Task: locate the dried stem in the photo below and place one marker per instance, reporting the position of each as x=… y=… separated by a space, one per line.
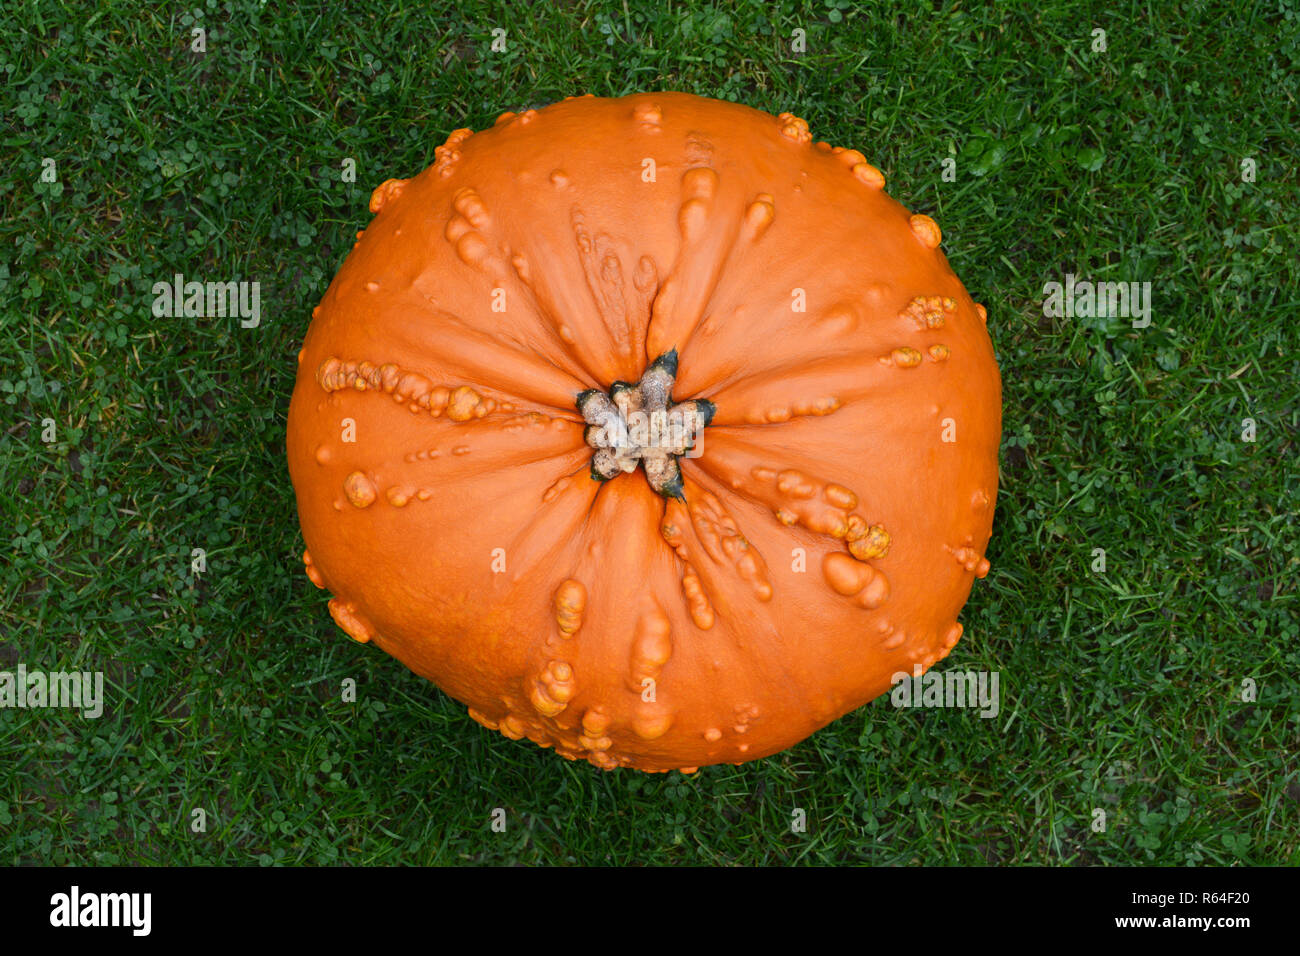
x=638 y=423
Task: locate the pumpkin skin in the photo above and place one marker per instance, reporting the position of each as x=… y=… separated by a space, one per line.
x=829 y=522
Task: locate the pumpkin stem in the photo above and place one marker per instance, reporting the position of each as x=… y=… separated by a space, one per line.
x=639 y=423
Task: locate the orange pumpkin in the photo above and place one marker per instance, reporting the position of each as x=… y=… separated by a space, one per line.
x=649 y=429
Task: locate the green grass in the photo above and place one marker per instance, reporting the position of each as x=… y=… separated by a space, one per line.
x=1120 y=691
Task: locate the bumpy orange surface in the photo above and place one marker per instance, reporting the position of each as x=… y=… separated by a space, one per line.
x=822 y=533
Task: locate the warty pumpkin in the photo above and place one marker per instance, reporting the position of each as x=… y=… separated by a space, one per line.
x=802 y=518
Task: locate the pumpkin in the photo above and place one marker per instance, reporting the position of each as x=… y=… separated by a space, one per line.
x=649 y=429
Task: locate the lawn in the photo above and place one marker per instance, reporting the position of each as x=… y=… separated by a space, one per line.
x=1150 y=712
